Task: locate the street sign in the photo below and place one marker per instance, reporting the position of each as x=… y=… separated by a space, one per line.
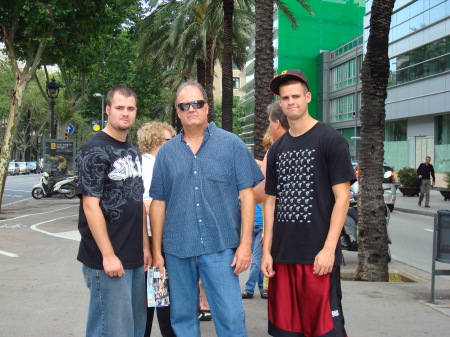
x=70 y=129
x=96 y=126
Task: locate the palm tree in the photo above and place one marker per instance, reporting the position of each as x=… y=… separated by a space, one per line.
x=373 y=241
x=264 y=64
x=187 y=35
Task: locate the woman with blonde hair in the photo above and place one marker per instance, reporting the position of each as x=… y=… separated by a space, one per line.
x=151 y=136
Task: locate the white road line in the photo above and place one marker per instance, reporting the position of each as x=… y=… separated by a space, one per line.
x=428 y=230
x=8 y=254
x=65 y=235
x=33 y=214
x=7 y=189
x=16 y=202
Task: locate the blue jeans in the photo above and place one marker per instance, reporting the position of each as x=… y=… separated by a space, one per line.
x=255 y=273
x=118 y=305
x=221 y=287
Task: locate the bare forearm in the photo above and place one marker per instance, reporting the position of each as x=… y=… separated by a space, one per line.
x=247 y=215
x=157 y=216
x=269 y=209
x=97 y=225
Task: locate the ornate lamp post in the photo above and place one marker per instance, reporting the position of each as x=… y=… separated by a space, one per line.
x=52 y=93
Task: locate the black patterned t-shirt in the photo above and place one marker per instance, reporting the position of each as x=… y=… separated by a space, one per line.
x=300 y=173
x=112 y=171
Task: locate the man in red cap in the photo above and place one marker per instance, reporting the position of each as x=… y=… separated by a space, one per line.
x=308 y=179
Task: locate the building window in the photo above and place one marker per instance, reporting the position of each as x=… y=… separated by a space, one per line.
x=342 y=108
x=431 y=59
x=344 y=75
x=395 y=131
x=417 y=15
x=443 y=130
x=236 y=82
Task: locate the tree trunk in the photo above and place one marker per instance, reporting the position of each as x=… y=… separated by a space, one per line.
x=14 y=115
x=201 y=75
x=209 y=79
x=263 y=71
x=373 y=240
x=227 y=66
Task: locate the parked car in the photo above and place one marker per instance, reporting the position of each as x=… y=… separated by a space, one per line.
x=389 y=188
x=34 y=167
x=13 y=168
x=23 y=167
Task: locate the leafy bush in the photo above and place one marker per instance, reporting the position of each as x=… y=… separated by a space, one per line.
x=447 y=179
x=407 y=177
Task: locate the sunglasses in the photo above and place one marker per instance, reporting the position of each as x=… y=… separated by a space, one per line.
x=195 y=105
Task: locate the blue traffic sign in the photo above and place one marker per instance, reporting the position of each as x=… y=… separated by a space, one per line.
x=70 y=129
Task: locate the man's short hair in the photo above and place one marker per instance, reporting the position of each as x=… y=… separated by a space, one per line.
x=122 y=90
x=428 y=157
x=194 y=84
x=276 y=114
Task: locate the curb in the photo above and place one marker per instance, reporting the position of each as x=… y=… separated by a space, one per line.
x=414 y=211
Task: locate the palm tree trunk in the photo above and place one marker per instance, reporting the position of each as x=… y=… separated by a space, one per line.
x=373 y=240
x=227 y=66
x=263 y=71
x=209 y=79
x=201 y=75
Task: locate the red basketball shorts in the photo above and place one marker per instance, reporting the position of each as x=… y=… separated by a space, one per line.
x=302 y=304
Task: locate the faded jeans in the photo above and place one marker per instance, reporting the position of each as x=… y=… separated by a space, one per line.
x=118 y=305
x=425 y=188
x=221 y=287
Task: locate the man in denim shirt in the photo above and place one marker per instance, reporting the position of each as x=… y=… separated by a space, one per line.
x=202 y=191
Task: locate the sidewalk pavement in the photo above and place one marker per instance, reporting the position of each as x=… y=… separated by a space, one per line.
x=43 y=292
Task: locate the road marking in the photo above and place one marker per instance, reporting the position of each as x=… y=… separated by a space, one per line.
x=7 y=189
x=428 y=230
x=72 y=235
x=16 y=202
x=8 y=254
x=33 y=214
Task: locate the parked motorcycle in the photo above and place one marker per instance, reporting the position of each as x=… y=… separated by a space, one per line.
x=50 y=185
x=349 y=234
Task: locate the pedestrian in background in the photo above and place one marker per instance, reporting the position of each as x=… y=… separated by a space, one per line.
x=113 y=249
x=308 y=186
x=203 y=211
x=151 y=136
x=425 y=171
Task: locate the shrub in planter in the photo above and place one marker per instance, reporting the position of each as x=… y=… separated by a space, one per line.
x=447 y=179
x=407 y=177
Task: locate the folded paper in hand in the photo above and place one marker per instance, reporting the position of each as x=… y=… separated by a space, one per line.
x=157 y=288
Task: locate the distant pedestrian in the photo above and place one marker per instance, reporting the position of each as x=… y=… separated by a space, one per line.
x=203 y=211
x=425 y=171
x=308 y=186
x=113 y=249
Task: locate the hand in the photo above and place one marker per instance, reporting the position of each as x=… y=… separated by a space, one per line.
x=147 y=259
x=420 y=176
x=158 y=261
x=113 y=266
x=324 y=262
x=267 y=265
x=242 y=259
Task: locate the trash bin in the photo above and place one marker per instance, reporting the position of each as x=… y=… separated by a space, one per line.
x=443 y=236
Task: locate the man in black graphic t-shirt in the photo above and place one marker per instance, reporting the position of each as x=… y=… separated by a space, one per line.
x=113 y=249
x=308 y=175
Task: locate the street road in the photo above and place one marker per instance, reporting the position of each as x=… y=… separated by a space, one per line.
x=412 y=240
x=18 y=188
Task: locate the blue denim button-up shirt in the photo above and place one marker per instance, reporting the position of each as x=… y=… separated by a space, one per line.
x=201 y=192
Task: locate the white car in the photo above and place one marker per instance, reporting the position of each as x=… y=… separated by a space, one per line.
x=13 y=168
x=24 y=168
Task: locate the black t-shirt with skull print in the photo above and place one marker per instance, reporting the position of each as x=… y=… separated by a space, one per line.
x=300 y=173
x=112 y=171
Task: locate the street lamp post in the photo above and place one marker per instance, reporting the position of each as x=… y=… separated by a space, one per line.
x=52 y=93
x=103 y=106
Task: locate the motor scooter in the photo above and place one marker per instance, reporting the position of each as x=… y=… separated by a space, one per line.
x=349 y=234
x=50 y=185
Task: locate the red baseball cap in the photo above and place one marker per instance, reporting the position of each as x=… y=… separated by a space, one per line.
x=292 y=74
